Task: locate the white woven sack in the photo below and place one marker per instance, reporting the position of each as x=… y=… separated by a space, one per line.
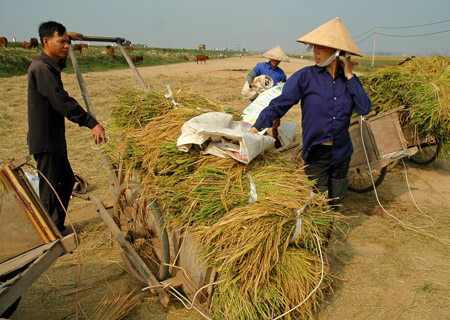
x=262 y=83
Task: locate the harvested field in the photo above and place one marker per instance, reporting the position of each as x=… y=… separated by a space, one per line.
x=385 y=270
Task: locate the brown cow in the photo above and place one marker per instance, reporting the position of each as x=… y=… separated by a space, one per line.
x=137 y=58
x=111 y=50
x=78 y=47
x=34 y=43
x=4 y=42
x=129 y=47
x=201 y=57
x=85 y=46
x=25 y=45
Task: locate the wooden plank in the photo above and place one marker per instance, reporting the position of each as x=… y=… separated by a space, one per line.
x=19 y=204
x=34 y=197
x=20 y=162
x=387 y=134
x=137 y=261
x=132 y=66
x=12 y=289
x=69 y=243
x=23 y=259
x=83 y=89
x=359 y=157
x=101 y=39
x=18 y=232
x=30 y=205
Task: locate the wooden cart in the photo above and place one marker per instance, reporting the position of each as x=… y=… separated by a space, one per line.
x=29 y=240
x=428 y=148
x=162 y=259
x=378 y=140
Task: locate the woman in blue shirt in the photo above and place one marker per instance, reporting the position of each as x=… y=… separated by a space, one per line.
x=270 y=68
x=329 y=93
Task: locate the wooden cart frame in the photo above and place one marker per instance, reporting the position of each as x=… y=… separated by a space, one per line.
x=29 y=240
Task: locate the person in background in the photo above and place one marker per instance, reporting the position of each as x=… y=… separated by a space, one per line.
x=270 y=68
x=329 y=92
x=48 y=105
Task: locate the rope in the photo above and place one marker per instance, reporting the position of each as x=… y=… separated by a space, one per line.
x=298 y=226
x=253 y=193
x=375 y=188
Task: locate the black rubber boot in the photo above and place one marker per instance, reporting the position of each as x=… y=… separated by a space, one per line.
x=337 y=191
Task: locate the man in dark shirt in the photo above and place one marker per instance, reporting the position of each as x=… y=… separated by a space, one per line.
x=329 y=93
x=48 y=105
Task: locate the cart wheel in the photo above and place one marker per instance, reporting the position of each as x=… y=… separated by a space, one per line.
x=361 y=182
x=427 y=153
x=142 y=225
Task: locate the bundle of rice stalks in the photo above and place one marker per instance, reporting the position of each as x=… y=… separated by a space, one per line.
x=242 y=216
x=116 y=304
x=422 y=85
x=293 y=278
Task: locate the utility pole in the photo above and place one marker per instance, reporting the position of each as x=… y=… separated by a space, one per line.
x=374 y=45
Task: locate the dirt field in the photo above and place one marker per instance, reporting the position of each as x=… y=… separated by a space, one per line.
x=385 y=270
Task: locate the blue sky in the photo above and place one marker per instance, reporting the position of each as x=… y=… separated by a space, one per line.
x=255 y=25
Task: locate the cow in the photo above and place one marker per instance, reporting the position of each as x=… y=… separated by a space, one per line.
x=4 y=42
x=129 y=47
x=78 y=47
x=85 y=46
x=111 y=50
x=34 y=43
x=137 y=58
x=201 y=57
x=25 y=44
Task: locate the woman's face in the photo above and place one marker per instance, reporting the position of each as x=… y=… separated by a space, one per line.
x=321 y=54
x=274 y=63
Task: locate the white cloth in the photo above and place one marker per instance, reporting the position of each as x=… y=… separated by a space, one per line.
x=225 y=138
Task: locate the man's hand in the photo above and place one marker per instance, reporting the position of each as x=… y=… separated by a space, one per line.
x=75 y=35
x=253 y=130
x=98 y=132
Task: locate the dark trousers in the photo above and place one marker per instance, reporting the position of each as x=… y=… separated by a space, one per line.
x=319 y=167
x=58 y=172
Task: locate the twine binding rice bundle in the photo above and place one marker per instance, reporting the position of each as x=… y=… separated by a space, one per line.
x=422 y=85
x=261 y=275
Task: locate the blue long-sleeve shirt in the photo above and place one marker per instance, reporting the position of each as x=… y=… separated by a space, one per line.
x=327 y=105
x=264 y=68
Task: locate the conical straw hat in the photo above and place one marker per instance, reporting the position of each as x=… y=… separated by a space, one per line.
x=276 y=54
x=332 y=34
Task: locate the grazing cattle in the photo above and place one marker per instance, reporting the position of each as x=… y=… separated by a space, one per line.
x=25 y=45
x=129 y=47
x=111 y=50
x=201 y=58
x=34 y=43
x=78 y=47
x=85 y=46
x=137 y=58
x=4 y=42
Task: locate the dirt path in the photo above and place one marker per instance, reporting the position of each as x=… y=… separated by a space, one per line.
x=385 y=270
